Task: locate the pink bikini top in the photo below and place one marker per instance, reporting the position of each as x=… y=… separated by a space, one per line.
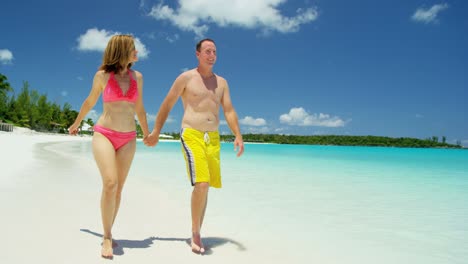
x=113 y=92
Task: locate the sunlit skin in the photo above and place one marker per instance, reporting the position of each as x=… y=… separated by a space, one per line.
x=113 y=165
x=202 y=93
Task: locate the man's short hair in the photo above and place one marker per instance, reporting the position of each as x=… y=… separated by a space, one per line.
x=198 y=46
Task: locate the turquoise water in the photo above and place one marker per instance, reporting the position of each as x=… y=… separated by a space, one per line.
x=328 y=204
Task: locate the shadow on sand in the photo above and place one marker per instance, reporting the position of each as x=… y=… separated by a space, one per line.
x=125 y=243
x=209 y=242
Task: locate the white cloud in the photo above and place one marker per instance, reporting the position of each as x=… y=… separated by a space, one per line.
x=152 y=117
x=169 y=37
x=419 y=116
x=173 y=38
x=195 y=15
x=64 y=93
x=170 y=119
x=299 y=117
x=96 y=40
x=428 y=15
x=258 y=130
x=6 y=56
x=93 y=114
x=250 y=121
x=279 y=129
x=141 y=48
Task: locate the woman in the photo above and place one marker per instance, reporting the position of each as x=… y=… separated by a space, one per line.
x=114 y=140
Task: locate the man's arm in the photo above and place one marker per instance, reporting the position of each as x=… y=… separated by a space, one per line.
x=232 y=120
x=171 y=98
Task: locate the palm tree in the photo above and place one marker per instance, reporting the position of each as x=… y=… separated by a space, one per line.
x=4 y=85
x=90 y=122
x=4 y=89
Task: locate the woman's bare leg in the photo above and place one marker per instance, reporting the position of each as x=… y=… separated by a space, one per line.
x=124 y=159
x=105 y=157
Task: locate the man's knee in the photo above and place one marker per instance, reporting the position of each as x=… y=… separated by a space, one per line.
x=202 y=186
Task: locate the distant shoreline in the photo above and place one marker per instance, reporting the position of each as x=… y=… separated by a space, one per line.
x=325 y=140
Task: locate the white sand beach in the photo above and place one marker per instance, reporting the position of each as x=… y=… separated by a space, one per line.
x=335 y=208
x=50 y=211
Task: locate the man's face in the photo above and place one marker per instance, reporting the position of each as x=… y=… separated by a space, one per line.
x=207 y=53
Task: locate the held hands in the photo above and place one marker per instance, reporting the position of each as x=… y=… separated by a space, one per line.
x=239 y=146
x=152 y=139
x=144 y=138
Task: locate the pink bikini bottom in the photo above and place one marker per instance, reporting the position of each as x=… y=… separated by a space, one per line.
x=118 y=139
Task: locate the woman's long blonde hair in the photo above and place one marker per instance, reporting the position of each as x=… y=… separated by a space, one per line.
x=118 y=53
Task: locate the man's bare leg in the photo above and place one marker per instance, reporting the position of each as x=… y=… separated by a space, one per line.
x=199 y=203
x=204 y=210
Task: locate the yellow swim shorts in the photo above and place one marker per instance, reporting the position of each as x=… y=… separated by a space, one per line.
x=202 y=157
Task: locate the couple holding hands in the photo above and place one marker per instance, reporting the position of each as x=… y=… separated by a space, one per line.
x=114 y=140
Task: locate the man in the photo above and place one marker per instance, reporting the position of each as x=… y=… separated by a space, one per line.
x=202 y=93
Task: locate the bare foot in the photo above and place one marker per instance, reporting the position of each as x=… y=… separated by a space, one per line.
x=197 y=245
x=106 y=251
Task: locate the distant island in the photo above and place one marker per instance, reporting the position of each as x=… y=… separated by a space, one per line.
x=341 y=140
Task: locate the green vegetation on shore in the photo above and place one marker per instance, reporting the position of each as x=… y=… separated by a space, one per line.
x=33 y=110
x=30 y=109
x=340 y=140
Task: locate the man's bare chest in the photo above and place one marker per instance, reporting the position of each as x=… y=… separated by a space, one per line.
x=202 y=89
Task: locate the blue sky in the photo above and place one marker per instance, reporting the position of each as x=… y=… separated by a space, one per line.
x=386 y=68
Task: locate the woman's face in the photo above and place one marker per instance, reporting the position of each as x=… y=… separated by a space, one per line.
x=133 y=55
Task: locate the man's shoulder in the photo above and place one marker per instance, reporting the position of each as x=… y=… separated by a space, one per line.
x=188 y=73
x=183 y=78
x=191 y=73
x=220 y=78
